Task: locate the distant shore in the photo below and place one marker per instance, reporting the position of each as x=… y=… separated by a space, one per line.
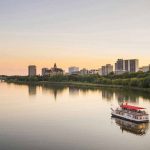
x=138 y=81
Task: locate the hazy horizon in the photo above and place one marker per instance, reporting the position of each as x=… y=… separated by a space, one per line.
x=83 y=33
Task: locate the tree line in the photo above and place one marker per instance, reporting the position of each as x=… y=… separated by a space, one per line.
x=139 y=79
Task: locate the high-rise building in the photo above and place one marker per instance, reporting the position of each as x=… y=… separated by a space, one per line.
x=109 y=69
x=134 y=65
x=122 y=66
x=105 y=70
x=32 y=70
x=127 y=65
x=73 y=70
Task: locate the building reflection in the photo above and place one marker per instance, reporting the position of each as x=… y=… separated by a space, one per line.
x=73 y=91
x=86 y=90
x=126 y=95
x=107 y=94
x=131 y=96
x=54 y=90
x=32 y=90
x=120 y=94
x=131 y=127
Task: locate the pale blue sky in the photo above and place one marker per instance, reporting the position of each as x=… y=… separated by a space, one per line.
x=72 y=32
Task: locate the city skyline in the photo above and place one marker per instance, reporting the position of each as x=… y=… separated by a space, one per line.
x=66 y=69
x=121 y=66
x=85 y=33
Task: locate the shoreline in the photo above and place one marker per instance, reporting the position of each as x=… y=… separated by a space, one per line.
x=79 y=84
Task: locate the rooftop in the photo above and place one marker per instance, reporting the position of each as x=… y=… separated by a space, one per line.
x=126 y=106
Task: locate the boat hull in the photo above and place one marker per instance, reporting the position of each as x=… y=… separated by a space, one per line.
x=128 y=119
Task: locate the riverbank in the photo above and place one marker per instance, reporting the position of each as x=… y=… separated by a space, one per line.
x=138 y=81
x=78 y=84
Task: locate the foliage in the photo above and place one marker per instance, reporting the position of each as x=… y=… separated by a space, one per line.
x=139 y=79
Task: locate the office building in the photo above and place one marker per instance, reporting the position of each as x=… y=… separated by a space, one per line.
x=109 y=69
x=122 y=66
x=134 y=65
x=105 y=70
x=73 y=70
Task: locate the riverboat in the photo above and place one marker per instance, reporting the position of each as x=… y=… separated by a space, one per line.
x=131 y=113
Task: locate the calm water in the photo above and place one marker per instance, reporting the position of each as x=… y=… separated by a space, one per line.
x=62 y=118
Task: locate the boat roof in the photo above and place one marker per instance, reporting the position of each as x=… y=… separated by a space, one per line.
x=131 y=107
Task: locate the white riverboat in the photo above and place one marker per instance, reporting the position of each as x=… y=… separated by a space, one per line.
x=131 y=113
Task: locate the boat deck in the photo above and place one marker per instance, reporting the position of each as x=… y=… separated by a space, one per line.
x=134 y=113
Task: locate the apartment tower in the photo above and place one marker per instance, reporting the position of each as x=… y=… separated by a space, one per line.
x=32 y=70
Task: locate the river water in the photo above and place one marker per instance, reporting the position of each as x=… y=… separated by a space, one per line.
x=68 y=118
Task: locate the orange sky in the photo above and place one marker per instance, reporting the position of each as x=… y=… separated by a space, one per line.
x=19 y=66
x=81 y=33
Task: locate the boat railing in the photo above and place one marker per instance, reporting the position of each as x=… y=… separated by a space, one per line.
x=123 y=111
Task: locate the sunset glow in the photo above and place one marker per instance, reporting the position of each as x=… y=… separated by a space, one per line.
x=84 y=33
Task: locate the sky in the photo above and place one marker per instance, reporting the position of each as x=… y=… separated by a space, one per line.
x=83 y=33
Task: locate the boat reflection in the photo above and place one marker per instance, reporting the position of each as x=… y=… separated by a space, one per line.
x=131 y=127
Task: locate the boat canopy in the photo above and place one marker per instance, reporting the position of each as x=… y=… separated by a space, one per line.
x=126 y=106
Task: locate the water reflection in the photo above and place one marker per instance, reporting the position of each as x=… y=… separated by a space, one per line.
x=126 y=95
x=73 y=91
x=108 y=94
x=130 y=127
x=32 y=90
x=131 y=96
x=83 y=112
x=54 y=90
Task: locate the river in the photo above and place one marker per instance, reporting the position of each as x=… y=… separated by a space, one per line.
x=67 y=118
